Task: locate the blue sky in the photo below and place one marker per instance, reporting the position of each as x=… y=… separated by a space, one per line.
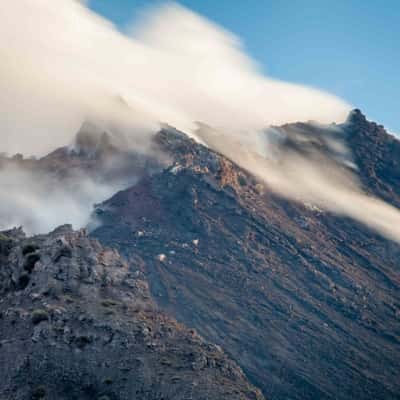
x=349 y=48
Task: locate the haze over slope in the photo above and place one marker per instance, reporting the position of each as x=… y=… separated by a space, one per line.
x=63 y=64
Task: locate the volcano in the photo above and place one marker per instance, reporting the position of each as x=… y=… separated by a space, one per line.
x=199 y=281
x=305 y=301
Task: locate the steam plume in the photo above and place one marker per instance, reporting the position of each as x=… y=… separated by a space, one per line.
x=311 y=178
x=62 y=64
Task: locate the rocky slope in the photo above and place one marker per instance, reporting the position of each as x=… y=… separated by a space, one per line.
x=76 y=322
x=306 y=302
x=377 y=154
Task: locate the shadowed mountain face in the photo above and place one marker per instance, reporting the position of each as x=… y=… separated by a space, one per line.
x=77 y=323
x=377 y=154
x=307 y=303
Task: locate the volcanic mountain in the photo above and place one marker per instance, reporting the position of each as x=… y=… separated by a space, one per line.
x=306 y=302
x=197 y=271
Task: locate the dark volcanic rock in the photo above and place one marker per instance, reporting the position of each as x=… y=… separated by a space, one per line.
x=77 y=323
x=377 y=154
x=306 y=302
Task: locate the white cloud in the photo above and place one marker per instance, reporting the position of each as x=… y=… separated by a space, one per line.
x=40 y=202
x=61 y=62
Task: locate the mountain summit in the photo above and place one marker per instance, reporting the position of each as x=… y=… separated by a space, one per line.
x=305 y=301
x=198 y=281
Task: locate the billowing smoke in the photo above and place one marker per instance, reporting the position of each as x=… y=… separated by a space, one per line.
x=63 y=186
x=62 y=64
x=39 y=202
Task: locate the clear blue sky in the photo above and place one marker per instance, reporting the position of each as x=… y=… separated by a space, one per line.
x=348 y=47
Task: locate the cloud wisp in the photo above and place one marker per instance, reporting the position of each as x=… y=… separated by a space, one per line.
x=327 y=180
x=63 y=64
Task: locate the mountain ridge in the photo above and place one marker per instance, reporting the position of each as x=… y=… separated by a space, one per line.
x=305 y=301
x=299 y=297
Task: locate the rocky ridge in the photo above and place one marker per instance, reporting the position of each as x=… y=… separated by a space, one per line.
x=76 y=322
x=305 y=301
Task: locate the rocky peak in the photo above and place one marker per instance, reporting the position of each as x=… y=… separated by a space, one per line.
x=188 y=154
x=300 y=298
x=356 y=117
x=376 y=154
x=91 y=140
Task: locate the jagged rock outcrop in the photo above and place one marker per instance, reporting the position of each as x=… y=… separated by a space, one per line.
x=377 y=155
x=76 y=322
x=307 y=303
